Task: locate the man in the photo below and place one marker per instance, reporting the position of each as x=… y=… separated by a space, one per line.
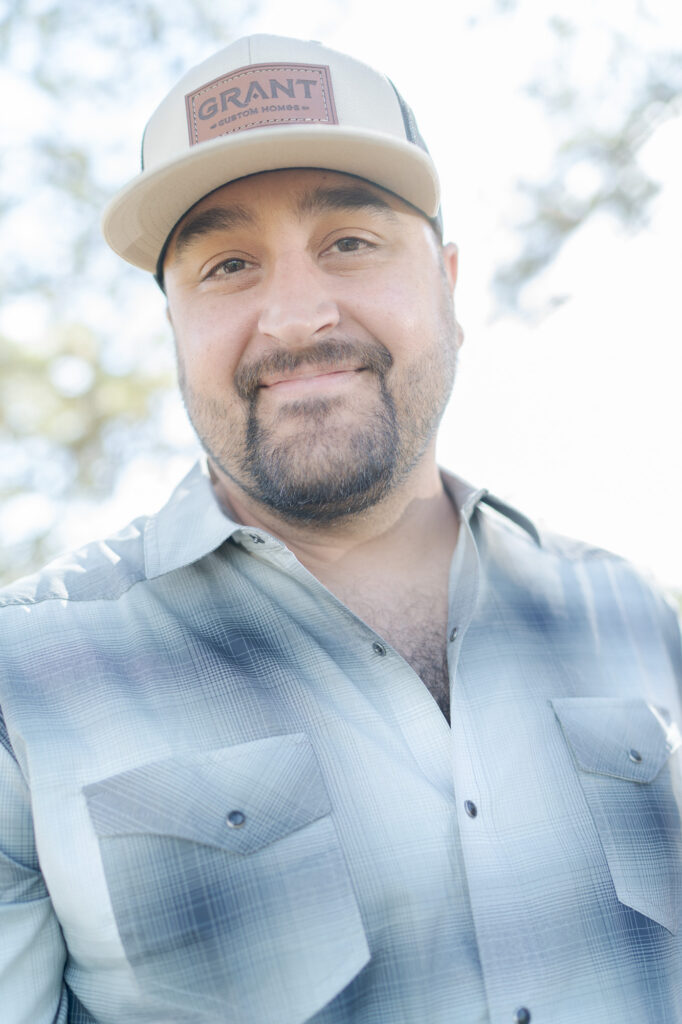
x=333 y=737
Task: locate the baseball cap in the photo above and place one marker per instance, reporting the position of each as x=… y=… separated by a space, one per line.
x=267 y=103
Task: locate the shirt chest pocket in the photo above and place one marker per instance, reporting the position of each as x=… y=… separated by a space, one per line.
x=230 y=891
x=628 y=759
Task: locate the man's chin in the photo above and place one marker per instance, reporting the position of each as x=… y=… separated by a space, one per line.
x=319 y=508
x=322 y=459
x=321 y=486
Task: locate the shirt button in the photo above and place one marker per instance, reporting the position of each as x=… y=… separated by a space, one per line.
x=236 y=819
x=635 y=756
x=522 y=1016
x=453 y=634
x=256 y=539
x=471 y=808
x=378 y=648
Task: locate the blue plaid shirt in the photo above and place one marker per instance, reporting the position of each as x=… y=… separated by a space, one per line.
x=223 y=798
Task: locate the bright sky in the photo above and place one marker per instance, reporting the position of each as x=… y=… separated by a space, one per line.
x=575 y=417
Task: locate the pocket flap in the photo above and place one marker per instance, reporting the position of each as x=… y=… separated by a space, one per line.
x=237 y=798
x=627 y=739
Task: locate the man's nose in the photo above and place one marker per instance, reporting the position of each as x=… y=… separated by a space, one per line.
x=297 y=306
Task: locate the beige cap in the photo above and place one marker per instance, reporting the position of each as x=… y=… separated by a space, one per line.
x=266 y=103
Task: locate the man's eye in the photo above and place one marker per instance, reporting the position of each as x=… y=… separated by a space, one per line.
x=227 y=267
x=351 y=244
x=230 y=266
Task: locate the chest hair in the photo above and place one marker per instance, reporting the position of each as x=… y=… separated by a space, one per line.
x=423 y=646
x=416 y=628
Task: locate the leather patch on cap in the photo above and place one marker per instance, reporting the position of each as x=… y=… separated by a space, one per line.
x=260 y=95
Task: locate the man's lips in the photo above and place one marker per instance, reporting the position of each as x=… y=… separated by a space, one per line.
x=329 y=366
x=310 y=378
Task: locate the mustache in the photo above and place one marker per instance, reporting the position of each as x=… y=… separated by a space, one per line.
x=332 y=352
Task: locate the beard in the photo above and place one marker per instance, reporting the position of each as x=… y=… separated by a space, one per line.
x=310 y=462
x=310 y=465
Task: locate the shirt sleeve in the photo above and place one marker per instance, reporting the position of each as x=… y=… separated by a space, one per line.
x=32 y=949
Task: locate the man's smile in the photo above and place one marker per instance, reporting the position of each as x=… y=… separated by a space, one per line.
x=309 y=379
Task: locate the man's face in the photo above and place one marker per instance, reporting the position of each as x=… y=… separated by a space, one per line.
x=315 y=336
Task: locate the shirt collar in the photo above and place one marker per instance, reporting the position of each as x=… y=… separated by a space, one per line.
x=465 y=496
x=192 y=524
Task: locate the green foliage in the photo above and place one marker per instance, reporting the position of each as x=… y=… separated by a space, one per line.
x=84 y=379
x=67 y=426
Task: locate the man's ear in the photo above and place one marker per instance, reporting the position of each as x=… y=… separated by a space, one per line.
x=450 y=262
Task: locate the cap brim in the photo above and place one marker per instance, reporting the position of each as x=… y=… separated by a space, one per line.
x=139 y=219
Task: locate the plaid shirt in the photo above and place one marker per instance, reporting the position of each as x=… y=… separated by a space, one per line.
x=224 y=798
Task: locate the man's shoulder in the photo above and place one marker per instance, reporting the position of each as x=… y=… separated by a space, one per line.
x=100 y=570
x=189 y=526
x=602 y=578
x=504 y=519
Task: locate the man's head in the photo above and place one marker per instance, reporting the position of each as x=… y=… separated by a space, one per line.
x=308 y=289
x=266 y=103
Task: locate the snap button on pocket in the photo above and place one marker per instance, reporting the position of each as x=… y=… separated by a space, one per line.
x=236 y=819
x=635 y=756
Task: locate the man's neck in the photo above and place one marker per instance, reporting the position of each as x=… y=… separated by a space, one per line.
x=391 y=538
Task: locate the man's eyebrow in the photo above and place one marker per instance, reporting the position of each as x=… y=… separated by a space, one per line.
x=318 y=200
x=215 y=218
x=345 y=197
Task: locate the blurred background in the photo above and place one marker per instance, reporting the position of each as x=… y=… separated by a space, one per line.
x=557 y=130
